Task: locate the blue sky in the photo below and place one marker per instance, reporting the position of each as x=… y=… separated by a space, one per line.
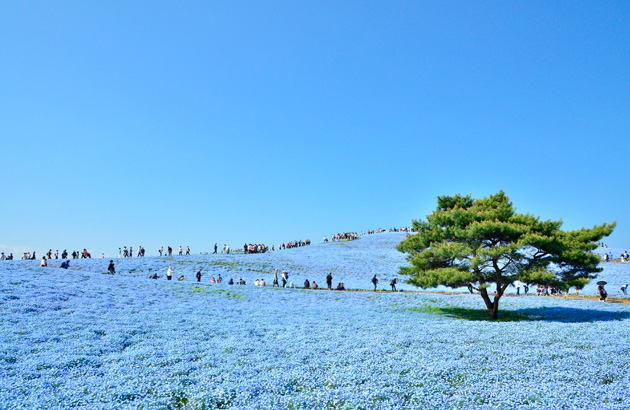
x=190 y=123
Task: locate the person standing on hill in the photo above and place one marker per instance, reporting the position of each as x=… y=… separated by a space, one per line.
x=285 y=278
x=275 y=279
x=169 y=273
x=215 y=248
x=111 y=269
x=43 y=263
x=393 y=284
x=199 y=275
x=329 y=279
x=187 y=250
x=375 y=282
x=180 y=250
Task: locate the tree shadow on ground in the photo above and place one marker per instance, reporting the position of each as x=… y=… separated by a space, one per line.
x=545 y=314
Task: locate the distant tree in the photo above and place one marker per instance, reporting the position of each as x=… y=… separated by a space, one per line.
x=484 y=241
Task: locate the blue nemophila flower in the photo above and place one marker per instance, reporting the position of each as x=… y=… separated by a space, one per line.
x=82 y=339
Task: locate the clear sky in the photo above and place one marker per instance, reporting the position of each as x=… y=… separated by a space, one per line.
x=189 y=123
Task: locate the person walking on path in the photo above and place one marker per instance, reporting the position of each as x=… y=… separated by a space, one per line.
x=285 y=278
x=180 y=250
x=199 y=275
x=393 y=284
x=111 y=269
x=329 y=279
x=187 y=250
x=375 y=282
x=275 y=279
x=169 y=273
x=215 y=248
x=602 y=293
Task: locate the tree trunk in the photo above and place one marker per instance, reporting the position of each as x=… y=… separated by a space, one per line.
x=494 y=312
x=491 y=305
x=487 y=301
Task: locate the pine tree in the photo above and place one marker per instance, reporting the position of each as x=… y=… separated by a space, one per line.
x=480 y=242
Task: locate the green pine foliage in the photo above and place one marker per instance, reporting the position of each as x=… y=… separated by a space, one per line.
x=484 y=241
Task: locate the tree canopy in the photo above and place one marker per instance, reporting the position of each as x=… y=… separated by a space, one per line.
x=480 y=242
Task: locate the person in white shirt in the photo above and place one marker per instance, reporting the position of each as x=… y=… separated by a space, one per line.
x=256 y=282
x=44 y=263
x=169 y=273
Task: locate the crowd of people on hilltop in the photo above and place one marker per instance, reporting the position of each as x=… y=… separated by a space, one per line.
x=128 y=253
x=251 y=248
x=346 y=236
x=8 y=257
x=294 y=244
x=350 y=236
x=124 y=252
x=27 y=256
x=380 y=230
x=262 y=248
x=50 y=255
x=608 y=257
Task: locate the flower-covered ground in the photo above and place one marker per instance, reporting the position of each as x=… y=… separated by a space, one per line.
x=82 y=339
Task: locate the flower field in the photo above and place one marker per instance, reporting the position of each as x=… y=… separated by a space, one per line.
x=82 y=339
